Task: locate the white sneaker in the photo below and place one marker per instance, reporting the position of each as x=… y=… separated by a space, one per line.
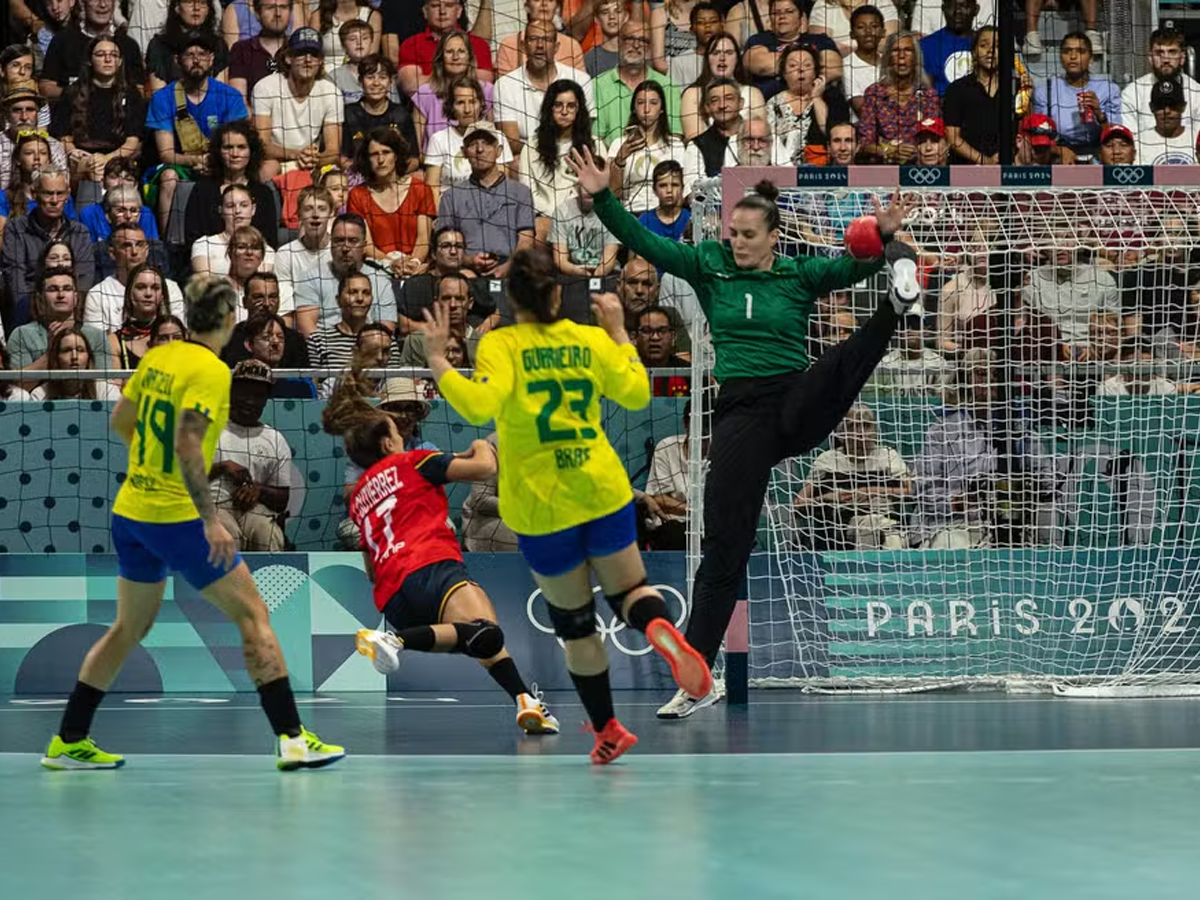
x=1033 y=46
x=905 y=289
x=382 y=648
x=1097 y=42
x=532 y=715
x=681 y=705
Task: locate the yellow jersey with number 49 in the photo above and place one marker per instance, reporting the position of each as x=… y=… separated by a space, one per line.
x=542 y=384
x=169 y=379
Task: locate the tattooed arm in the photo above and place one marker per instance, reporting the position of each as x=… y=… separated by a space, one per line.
x=189 y=448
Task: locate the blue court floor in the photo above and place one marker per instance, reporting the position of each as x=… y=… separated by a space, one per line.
x=795 y=797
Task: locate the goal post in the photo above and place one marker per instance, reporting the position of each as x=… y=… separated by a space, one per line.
x=1014 y=503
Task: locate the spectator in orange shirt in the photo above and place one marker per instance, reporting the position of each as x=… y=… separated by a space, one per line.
x=511 y=55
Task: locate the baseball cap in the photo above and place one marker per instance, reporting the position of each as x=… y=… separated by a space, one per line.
x=23 y=90
x=1168 y=92
x=195 y=38
x=402 y=390
x=305 y=39
x=1040 y=129
x=253 y=370
x=1112 y=131
x=933 y=126
x=483 y=128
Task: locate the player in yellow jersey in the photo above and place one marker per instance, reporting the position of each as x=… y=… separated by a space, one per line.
x=563 y=489
x=171 y=414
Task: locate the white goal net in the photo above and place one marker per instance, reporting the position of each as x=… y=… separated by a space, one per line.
x=1015 y=502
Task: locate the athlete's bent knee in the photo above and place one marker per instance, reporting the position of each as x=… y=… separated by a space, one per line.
x=617 y=600
x=479 y=639
x=574 y=624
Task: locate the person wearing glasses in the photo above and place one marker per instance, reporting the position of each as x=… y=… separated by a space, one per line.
x=614 y=89
x=100 y=117
x=755 y=144
x=654 y=337
x=183 y=116
x=416 y=294
x=184 y=17
x=122 y=202
x=26 y=236
x=67 y=54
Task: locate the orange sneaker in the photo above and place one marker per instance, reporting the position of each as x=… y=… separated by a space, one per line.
x=688 y=667
x=611 y=742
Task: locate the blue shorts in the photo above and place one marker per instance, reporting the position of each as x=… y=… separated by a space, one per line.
x=559 y=552
x=147 y=551
x=423 y=596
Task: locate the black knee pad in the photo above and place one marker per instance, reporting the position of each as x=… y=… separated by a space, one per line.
x=480 y=639
x=616 y=601
x=574 y=624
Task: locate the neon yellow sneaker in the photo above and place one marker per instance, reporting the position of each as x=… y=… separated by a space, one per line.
x=306 y=752
x=84 y=754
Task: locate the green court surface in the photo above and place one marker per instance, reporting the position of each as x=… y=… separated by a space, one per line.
x=986 y=825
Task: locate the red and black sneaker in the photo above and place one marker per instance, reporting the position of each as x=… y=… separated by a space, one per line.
x=613 y=740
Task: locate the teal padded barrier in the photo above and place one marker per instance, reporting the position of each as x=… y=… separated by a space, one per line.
x=60 y=468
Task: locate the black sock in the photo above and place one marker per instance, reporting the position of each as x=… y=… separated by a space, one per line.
x=505 y=674
x=421 y=638
x=596 y=696
x=280 y=706
x=645 y=610
x=77 y=717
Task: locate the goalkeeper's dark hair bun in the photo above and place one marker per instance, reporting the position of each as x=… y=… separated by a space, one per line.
x=767 y=189
x=532 y=283
x=762 y=199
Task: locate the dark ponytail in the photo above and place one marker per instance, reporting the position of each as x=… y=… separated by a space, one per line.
x=531 y=283
x=210 y=300
x=763 y=199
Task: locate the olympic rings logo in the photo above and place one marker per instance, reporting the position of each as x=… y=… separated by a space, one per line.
x=1128 y=175
x=924 y=176
x=614 y=628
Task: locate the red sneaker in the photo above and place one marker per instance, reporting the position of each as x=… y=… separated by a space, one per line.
x=687 y=665
x=611 y=742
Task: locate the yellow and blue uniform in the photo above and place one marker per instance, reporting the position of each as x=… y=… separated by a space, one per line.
x=155 y=523
x=562 y=487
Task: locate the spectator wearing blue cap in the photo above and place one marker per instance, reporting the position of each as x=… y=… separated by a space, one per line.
x=298 y=113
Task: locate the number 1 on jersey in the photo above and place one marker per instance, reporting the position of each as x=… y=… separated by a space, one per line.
x=749 y=306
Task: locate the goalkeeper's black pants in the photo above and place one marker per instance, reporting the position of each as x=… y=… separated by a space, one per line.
x=758 y=423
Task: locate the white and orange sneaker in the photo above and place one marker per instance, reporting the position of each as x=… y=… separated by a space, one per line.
x=382 y=648
x=532 y=715
x=688 y=667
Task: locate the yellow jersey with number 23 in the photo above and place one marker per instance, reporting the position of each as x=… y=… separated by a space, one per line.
x=542 y=384
x=170 y=379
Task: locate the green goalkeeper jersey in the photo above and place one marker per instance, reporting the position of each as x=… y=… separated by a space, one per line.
x=758 y=319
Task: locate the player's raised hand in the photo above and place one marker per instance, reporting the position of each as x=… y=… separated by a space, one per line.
x=222 y=549
x=591 y=178
x=891 y=218
x=437 y=330
x=610 y=315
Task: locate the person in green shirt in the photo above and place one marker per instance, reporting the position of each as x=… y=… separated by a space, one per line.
x=612 y=91
x=772 y=404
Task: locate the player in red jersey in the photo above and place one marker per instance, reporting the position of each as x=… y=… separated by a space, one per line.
x=412 y=556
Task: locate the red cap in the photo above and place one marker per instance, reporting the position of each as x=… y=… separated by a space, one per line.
x=1115 y=131
x=1040 y=129
x=931 y=126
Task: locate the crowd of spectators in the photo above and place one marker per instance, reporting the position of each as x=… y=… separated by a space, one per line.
x=348 y=163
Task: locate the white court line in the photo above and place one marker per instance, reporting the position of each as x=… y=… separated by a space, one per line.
x=532 y=758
